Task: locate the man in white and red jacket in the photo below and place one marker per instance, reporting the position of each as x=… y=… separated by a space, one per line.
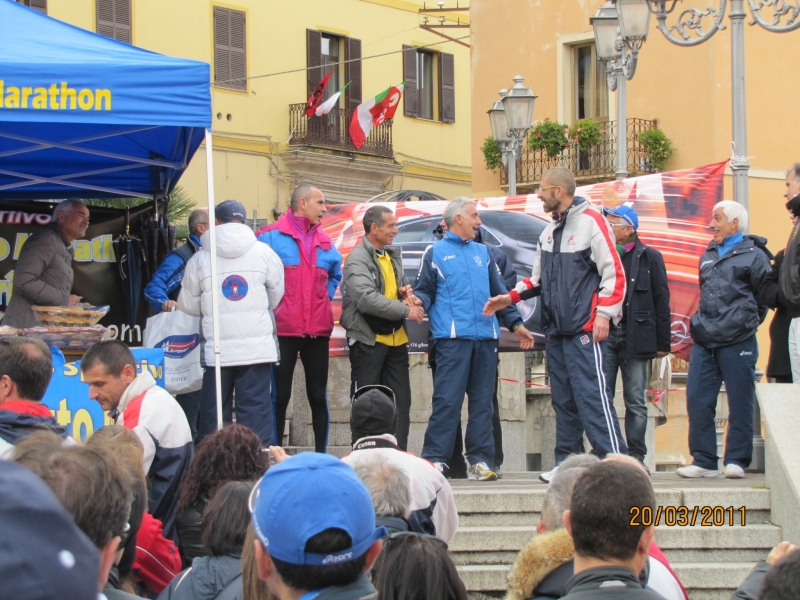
x=582 y=291
x=312 y=270
x=138 y=403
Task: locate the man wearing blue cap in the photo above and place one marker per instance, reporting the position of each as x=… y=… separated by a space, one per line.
x=643 y=333
x=315 y=530
x=250 y=287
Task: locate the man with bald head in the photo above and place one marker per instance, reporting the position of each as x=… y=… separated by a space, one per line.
x=312 y=272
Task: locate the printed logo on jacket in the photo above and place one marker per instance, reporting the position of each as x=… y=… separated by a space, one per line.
x=234 y=287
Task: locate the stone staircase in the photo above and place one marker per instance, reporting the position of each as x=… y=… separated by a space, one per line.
x=498 y=518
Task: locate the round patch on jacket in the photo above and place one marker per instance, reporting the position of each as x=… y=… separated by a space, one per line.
x=234 y=287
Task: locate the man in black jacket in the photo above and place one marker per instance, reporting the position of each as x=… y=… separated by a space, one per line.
x=643 y=333
x=732 y=270
x=779 y=365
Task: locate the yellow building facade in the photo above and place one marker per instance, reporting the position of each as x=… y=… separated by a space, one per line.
x=260 y=52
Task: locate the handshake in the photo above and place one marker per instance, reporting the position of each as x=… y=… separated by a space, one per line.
x=416 y=312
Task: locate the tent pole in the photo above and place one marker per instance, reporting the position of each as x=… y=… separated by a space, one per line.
x=214 y=276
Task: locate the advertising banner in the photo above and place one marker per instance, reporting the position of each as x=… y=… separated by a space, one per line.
x=67 y=396
x=674 y=209
x=96 y=271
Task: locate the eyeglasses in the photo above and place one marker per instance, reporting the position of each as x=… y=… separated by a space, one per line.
x=123 y=537
x=401 y=536
x=620 y=224
x=546 y=187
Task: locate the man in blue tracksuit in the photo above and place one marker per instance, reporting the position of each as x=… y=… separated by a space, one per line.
x=457 y=277
x=162 y=294
x=725 y=348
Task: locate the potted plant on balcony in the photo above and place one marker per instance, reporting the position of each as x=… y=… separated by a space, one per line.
x=586 y=133
x=491 y=154
x=549 y=136
x=657 y=146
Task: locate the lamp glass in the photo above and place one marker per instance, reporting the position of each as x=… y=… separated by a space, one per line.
x=499 y=122
x=519 y=109
x=605 y=36
x=634 y=18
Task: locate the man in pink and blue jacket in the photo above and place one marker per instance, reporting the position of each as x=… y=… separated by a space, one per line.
x=312 y=270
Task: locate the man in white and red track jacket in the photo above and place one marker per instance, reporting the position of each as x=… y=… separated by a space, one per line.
x=582 y=289
x=138 y=403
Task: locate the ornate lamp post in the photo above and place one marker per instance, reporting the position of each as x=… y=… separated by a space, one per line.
x=619 y=31
x=511 y=117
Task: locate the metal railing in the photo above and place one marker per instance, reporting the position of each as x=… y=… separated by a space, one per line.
x=597 y=164
x=332 y=131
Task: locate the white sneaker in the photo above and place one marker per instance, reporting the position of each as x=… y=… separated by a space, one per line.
x=547 y=476
x=693 y=471
x=481 y=472
x=733 y=471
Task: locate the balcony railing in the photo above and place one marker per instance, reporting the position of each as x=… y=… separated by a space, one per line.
x=597 y=164
x=332 y=131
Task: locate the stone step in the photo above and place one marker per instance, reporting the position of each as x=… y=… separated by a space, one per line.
x=338 y=451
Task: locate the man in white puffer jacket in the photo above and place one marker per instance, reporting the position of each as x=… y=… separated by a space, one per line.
x=250 y=286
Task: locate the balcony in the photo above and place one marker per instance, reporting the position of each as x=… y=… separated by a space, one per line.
x=332 y=131
x=598 y=164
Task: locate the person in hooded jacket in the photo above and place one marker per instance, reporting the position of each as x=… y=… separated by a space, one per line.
x=26 y=366
x=725 y=349
x=250 y=287
x=218 y=575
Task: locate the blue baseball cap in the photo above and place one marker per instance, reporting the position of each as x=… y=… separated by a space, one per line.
x=624 y=212
x=43 y=554
x=229 y=210
x=305 y=495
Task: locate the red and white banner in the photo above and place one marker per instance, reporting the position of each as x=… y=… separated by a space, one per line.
x=674 y=209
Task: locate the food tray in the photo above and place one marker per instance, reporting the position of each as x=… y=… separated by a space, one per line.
x=6 y=331
x=80 y=315
x=69 y=338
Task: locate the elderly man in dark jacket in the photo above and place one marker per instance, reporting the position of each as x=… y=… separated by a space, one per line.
x=643 y=332
x=376 y=301
x=43 y=274
x=732 y=270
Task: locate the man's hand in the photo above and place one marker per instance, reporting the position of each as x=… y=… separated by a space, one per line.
x=404 y=291
x=779 y=551
x=416 y=313
x=661 y=354
x=169 y=306
x=412 y=300
x=600 y=329
x=495 y=304
x=73 y=300
x=525 y=337
x=279 y=454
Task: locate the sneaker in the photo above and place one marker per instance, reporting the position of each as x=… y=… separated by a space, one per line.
x=733 y=471
x=443 y=468
x=481 y=472
x=693 y=471
x=497 y=471
x=547 y=476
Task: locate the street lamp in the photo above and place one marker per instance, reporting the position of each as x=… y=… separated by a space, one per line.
x=511 y=117
x=619 y=31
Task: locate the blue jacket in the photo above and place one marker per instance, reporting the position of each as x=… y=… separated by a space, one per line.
x=456 y=279
x=167 y=278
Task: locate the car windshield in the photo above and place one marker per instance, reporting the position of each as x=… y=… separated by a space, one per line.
x=516 y=225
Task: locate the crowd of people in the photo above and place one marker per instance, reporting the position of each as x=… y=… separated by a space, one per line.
x=166 y=504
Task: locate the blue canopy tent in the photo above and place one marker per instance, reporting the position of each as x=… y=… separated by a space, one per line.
x=85 y=115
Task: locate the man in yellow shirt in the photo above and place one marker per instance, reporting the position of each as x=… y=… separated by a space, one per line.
x=376 y=301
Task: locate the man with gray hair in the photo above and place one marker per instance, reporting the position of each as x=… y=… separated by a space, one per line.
x=162 y=293
x=725 y=349
x=43 y=273
x=390 y=490
x=456 y=279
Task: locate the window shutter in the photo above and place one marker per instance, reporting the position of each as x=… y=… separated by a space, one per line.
x=238 y=58
x=222 y=46
x=352 y=72
x=313 y=59
x=410 y=94
x=122 y=21
x=113 y=19
x=447 y=88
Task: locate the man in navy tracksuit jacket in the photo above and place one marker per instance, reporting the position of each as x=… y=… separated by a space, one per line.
x=456 y=279
x=582 y=291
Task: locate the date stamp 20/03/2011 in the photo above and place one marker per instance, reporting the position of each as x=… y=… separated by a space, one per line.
x=683 y=516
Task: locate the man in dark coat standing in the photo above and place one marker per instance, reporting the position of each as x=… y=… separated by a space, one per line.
x=644 y=332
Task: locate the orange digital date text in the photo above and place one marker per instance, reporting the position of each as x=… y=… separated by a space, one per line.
x=682 y=516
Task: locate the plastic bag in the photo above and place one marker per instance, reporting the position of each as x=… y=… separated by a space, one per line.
x=179 y=335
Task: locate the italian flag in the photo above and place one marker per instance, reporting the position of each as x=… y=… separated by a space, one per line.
x=327 y=106
x=374 y=112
